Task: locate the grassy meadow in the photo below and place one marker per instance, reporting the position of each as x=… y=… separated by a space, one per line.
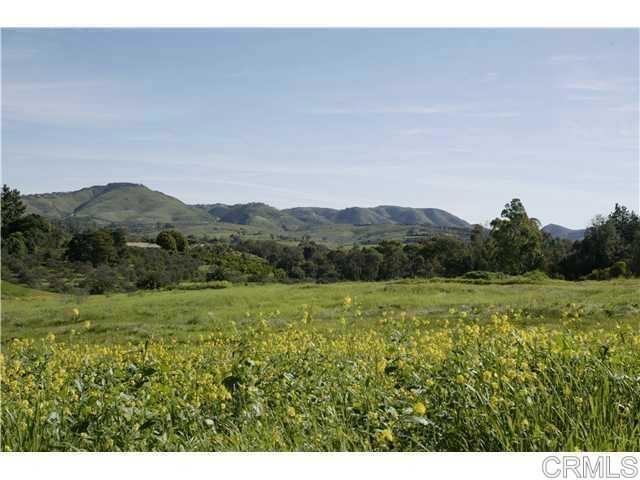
x=406 y=365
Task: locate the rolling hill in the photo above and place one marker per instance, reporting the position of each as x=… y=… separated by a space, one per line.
x=144 y=210
x=254 y=214
x=262 y=215
x=559 y=231
x=119 y=203
x=131 y=204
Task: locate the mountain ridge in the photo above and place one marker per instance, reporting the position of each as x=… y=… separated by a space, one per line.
x=565 y=233
x=134 y=203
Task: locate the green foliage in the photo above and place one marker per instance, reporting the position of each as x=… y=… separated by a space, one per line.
x=396 y=366
x=121 y=203
x=617 y=270
x=515 y=245
x=483 y=275
x=16 y=245
x=102 y=280
x=516 y=240
x=144 y=210
x=12 y=207
x=167 y=241
x=35 y=230
x=97 y=247
x=172 y=241
x=608 y=240
x=208 y=285
x=181 y=243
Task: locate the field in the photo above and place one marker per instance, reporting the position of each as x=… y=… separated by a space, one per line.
x=404 y=365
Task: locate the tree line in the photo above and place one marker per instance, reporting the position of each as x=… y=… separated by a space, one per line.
x=64 y=256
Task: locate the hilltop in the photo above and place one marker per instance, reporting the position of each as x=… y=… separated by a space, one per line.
x=119 y=203
x=142 y=209
x=260 y=214
x=559 y=231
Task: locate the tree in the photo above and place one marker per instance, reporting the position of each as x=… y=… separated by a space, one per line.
x=394 y=260
x=371 y=264
x=172 y=241
x=167 y=241
x=607 y=241
x=516 y=240
x=34 y=228
x=555 y=251
x=96 y=247
x=181 y=243
x=12 y=207
x=120 y=241
x=478 y=248
x=104 y=250
x=102 y=280
x=16 y=245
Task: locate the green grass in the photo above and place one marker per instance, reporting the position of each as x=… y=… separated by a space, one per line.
x=403 y=365
x=185 y=314
x=13 y=291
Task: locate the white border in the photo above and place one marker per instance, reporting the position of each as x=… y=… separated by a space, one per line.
x=320 y=13
x=284 y=466
x=300 y=13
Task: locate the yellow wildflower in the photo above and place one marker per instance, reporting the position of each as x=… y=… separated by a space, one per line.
x=384 y=436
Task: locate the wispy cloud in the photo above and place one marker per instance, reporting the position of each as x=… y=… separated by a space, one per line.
x=409 y=109
x=75 y=103
x=492 y=114
x=591 y=85
x=629 y=107
x=15 y=54
x=61 y=102
x=560 y=59
x=423 y=131
x=490 y=77
x=415 y=110
x=602 y=85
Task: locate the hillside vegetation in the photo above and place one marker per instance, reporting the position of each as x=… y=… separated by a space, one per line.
x=119 y=203
x=146 y=211
x=558 y=231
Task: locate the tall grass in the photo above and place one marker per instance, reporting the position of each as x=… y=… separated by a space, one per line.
x=476 y=380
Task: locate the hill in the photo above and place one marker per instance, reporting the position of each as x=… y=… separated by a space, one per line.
x=559 y=231
x=147 y=211
x=120 y=203
x=255 y=214
x=260 y=214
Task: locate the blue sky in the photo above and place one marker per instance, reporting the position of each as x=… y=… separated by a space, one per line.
x=462 y=120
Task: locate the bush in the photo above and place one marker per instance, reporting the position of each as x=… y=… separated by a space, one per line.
x=152 y=280
x=166 y=241
x=617 y=270
x=214 y=285
x=102 y=280
x=537 y=275
x=483 y=275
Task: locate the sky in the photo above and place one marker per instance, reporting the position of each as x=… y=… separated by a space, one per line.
x=462 y=120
